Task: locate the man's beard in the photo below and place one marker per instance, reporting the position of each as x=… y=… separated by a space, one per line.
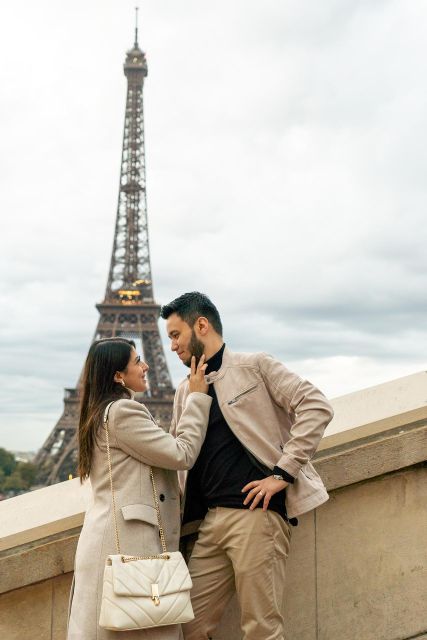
x=195 y=348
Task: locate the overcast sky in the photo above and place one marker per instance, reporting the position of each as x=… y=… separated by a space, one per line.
x=286 y=158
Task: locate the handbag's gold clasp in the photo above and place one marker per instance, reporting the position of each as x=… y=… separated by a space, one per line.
x=155 y=594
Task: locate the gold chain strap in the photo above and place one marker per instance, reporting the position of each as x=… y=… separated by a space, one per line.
x=113 y=496
x=163 y=556
x=159 y=519
x=132 y=558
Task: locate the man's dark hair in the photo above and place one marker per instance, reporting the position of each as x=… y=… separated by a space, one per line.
x=191 y=306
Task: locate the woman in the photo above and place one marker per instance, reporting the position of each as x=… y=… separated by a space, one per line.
x=113 y=372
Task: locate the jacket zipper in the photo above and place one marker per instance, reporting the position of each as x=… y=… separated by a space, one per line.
x=242 y=394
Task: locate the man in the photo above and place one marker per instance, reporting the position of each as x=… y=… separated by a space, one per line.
x=253 y=475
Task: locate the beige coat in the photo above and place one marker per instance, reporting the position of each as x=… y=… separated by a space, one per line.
x=136 y=443
x=277 y=416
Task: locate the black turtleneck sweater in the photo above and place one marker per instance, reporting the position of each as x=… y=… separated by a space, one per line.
x=224 y=466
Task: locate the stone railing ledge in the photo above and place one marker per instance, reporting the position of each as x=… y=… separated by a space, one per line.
x=376 y=410
x=43 y=513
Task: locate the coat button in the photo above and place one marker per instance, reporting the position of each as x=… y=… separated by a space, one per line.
x=162 y=497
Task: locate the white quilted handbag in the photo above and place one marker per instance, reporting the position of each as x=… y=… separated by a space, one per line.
x=140 y=592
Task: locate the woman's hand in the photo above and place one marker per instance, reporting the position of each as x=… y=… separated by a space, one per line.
x=197 y=375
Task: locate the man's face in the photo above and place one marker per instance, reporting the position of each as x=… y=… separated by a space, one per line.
x=183 y=339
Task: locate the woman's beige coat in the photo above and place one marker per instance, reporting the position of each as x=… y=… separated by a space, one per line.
x=136 y=443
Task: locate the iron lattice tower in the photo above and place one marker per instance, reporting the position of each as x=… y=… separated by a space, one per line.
x=128 y=309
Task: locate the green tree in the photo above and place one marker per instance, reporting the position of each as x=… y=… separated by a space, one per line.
x=14 y=482
x=7 y=462
x=27 y=471
x=15 y=476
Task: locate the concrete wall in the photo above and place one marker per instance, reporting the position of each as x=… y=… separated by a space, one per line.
x=365 y=573
x=358 y=564
x=36 y=612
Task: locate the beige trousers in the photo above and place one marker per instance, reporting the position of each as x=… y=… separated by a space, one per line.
x=243 y=551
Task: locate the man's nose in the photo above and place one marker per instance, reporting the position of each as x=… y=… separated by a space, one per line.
x=174 y=346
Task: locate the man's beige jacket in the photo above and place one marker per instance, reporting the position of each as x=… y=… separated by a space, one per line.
x=277 y=416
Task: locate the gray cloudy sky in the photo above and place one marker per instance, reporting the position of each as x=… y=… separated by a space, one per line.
x=286 y=157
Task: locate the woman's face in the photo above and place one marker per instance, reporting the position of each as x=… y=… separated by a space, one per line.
x=134 y=376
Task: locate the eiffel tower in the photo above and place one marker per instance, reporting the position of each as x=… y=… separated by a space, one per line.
x=128 y=308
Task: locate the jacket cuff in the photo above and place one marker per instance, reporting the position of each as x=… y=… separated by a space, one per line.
x=198 y=396
x=286 y=476
x=292 y=466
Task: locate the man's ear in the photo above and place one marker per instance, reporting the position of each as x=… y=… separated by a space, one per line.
x=202 y=325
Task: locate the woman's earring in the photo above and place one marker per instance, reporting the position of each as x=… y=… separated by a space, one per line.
x=122 y=382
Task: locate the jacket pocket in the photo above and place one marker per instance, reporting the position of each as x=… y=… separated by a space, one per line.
x=243 y=393
x=144 y=512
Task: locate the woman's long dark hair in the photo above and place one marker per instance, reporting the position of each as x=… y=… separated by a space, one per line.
x=104 y=359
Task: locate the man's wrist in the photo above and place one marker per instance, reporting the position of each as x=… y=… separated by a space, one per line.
x=277 y=476
x=281 y=474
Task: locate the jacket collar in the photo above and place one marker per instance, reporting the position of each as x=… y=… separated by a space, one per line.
x=213 y=376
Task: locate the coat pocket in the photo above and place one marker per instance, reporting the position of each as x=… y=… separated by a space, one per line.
x=144 y=512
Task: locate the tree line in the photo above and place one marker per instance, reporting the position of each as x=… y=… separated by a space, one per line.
x=15 y=476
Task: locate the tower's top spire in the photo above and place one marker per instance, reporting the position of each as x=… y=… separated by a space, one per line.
x=136 y=65
x=136 y=27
